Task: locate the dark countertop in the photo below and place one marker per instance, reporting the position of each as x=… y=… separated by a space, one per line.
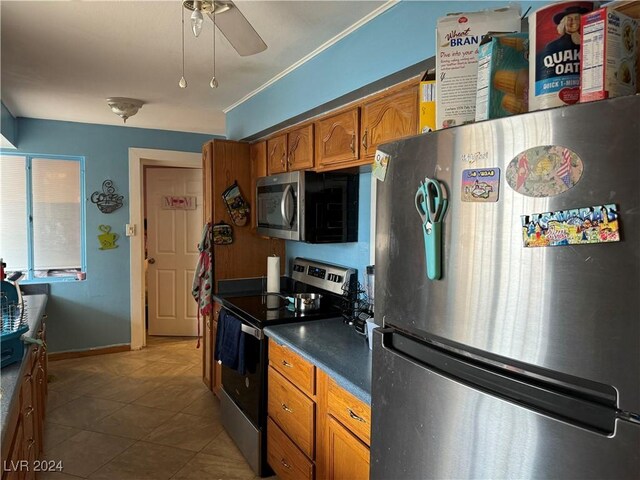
x=10 y=375
x=332 y=346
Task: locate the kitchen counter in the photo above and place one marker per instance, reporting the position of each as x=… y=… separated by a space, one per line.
x=11 y=374
x=332 y=346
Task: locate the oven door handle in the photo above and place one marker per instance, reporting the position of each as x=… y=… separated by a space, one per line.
x=254 y=332
x=285 y=205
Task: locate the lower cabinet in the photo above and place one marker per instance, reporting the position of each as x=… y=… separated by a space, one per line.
x=313 y=431
x=347 y=457
x=211 y=370
x=24 y=422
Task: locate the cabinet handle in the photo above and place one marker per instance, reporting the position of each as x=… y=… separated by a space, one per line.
x=28 y=411
x=289 y=161
x=286 y=409
x=32 y=443
x=352 y=145
x=284 y=155
x=364 y=138
x=208 y=323
x=286 y=364
x=355 y=417
x=45 y=316
x=284 y=464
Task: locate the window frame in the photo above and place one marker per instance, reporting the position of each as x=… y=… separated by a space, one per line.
x=28 y=276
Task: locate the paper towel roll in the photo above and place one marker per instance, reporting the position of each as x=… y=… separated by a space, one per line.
x=273 y=274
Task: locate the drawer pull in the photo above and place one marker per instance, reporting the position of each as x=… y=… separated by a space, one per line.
x=286 y=364
x=284 y=464
x=355 y=417
x=286 y=409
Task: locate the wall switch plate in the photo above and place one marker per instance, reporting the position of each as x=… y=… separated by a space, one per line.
x=130 y=229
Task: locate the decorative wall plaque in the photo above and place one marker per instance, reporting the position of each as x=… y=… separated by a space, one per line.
x=108 y=201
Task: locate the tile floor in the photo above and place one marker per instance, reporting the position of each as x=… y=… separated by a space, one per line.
x=138 y=415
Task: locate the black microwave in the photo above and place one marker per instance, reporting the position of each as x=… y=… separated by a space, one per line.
x=308 y=206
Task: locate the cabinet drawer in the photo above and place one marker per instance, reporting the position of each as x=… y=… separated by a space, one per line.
x=285 y=458
x=293 y=411
x=353 y=413
x=294 y=368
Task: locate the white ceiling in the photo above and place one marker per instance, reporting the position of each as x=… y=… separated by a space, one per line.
x=61 y=60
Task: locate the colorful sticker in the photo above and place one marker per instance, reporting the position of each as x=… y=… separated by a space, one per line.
x=380 y=164
x=597 y=224
x=481 y=185
x=544 y=171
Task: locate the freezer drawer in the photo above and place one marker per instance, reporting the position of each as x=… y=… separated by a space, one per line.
x=429 y=425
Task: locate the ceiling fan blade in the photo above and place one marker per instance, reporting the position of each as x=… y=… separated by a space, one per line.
x=237 y=29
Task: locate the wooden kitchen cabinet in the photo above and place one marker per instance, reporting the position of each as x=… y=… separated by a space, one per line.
x=211 y=370
x=225 y=162
x=291 y=151
x=24 y=422
x=216 y=370
x=337 y=139
x=277 y=154
x=315 y=429
x=347 y=457
x=388 y=118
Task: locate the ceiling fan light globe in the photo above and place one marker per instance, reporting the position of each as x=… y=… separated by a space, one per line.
x=196 y=22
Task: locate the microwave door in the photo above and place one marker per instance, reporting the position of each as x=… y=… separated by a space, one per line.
x=277 y=211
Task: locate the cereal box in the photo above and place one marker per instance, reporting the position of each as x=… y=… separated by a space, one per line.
x=457 y=39
x=503 y=75
x=608 y=55
x=554 y=54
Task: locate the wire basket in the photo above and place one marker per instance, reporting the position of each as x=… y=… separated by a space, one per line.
x=355 y=300
x=14 y=325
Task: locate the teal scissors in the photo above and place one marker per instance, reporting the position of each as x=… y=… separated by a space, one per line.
x=431 y=204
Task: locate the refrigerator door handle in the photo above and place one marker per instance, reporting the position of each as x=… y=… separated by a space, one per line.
x=562 y=404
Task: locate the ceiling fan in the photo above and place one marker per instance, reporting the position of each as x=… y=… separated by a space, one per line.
x=231 y=22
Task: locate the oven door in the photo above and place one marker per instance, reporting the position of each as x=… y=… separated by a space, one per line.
x=248 y=391
x=279 y=205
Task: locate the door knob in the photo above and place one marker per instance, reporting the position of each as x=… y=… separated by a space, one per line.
x=152 y=260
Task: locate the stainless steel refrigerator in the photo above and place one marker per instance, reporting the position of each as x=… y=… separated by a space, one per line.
x=523 y=359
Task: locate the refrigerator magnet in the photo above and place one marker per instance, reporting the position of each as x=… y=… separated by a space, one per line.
x=580 y=226
x=544 y=171
x=481 y=185
x=380 y=164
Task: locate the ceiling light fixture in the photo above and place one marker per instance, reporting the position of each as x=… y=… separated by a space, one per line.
x=211 y=8
x=124 y=107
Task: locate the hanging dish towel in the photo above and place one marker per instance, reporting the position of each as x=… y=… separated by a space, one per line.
x=230 y=342
x=202 y=289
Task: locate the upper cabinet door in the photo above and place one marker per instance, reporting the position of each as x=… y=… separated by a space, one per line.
x=389 y=118
x=277 y=154
x=337 y=139
x=300 y=142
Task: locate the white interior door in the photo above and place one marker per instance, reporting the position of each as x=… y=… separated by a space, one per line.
x=173 y=234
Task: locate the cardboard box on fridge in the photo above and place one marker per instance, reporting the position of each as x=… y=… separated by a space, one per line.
x=427 y=101
x=608 y=55
x=457 y=39
x=503 y=75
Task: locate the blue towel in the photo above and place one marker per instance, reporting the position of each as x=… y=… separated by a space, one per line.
x=230 y=342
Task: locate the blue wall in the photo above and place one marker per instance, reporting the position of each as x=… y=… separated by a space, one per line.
x=400 y=37
x=95 y=312
x=8 y=125
x=354 y=254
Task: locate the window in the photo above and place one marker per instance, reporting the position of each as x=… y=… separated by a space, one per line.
x=42 y=215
